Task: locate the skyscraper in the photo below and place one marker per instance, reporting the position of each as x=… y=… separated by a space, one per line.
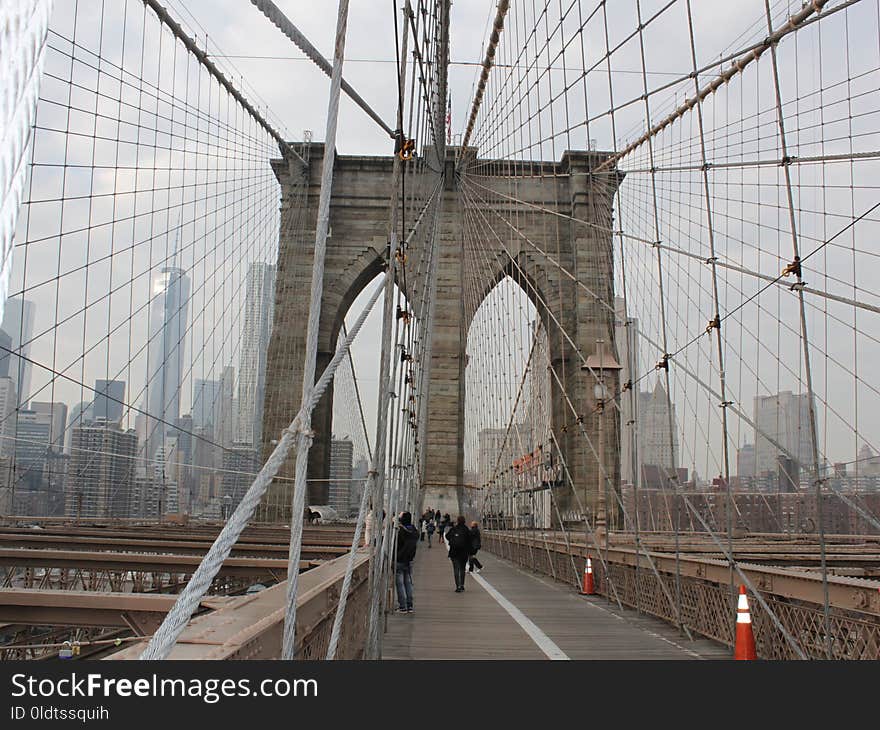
x=658 y=432
x=206 y=402
x=783 y=418
x=225 y=414
x=56 y=414
x=101 y=474
x=259 y=308
x=5 y=353
x=109 y=399
x=80 y=415
x=18 y=323
x=341 y=462
x=626 y=334
x=240 y=466
x=32 y=444
x=169 y=309
x=8 y=404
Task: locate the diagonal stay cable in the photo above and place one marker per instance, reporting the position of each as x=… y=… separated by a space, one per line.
x=165 y=637
x=273 y=13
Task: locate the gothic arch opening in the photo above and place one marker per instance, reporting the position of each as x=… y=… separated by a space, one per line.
x=507 y=407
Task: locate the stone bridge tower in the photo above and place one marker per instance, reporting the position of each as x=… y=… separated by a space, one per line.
x=355 y=256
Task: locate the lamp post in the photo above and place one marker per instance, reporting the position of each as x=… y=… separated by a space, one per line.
x=598 y=364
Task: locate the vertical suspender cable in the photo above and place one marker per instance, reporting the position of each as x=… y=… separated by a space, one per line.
x=817 y=476
x=305 y=435
x=376 y=480
x=715 y=322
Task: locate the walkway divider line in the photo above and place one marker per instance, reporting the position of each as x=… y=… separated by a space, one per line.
x=544 y=642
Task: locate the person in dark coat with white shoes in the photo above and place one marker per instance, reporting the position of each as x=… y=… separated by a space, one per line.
x=458 y=538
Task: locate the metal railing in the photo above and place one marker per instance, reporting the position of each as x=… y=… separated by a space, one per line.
x=794 y=594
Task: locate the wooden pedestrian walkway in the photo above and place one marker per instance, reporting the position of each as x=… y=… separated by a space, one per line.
x=506 y=613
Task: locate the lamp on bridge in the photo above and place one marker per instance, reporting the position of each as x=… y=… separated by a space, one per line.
x=598 y=364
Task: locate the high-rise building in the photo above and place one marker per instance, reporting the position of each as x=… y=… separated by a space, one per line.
x=109 y=400
x=164 y=473
x=101 y=479
x=206 y=481
x=18 y=323
x=54 y=465
x=56 y=414
x=359 y=474
x=5 y=353
x=226 y=421
x=8 y=404
x=657 y=431
x=745 y=461
x=80 y=415
x=341 y=462
x=626 y=338
x=6 y=476
x=259 y=309
x=240 y=466
x=206 y=402
x=33 y=441
x=169 y=310
x=782 y=428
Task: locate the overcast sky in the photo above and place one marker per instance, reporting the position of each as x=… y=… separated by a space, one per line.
x=274 y=75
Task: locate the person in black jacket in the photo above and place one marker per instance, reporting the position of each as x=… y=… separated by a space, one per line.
x=444 y=526
x=476 y=544
x=407 y=542
x=459 y=538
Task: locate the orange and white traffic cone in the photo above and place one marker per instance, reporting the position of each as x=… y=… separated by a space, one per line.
x=588 y=588
x=744 y=648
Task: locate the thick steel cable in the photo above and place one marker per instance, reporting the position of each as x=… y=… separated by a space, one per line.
x=793 y=24
x=188 y=600
x=202 y=56
x=488 y=60
x=24 y=26
x=376 y=479
x=273 y=13
x=349 y=571
x=305 y=435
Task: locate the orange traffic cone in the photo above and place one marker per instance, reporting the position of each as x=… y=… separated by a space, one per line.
x=744 y=648
x=588 y=589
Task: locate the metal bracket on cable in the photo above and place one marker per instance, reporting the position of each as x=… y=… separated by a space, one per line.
x=714 y=324
x=664 y=363
x=404 y=147
x=793 y=268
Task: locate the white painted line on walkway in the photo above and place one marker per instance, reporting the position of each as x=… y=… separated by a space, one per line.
x=596 y=606
x=544 y=642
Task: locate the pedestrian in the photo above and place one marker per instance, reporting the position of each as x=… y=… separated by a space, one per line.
x=430 y=530
x=444 y=526
x=476 y=544
x=459 y=539
x=407 y=542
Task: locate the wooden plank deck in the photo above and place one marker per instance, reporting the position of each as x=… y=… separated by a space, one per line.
x=474 y=625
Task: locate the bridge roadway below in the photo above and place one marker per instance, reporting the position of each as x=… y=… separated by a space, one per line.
x=507 y=613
